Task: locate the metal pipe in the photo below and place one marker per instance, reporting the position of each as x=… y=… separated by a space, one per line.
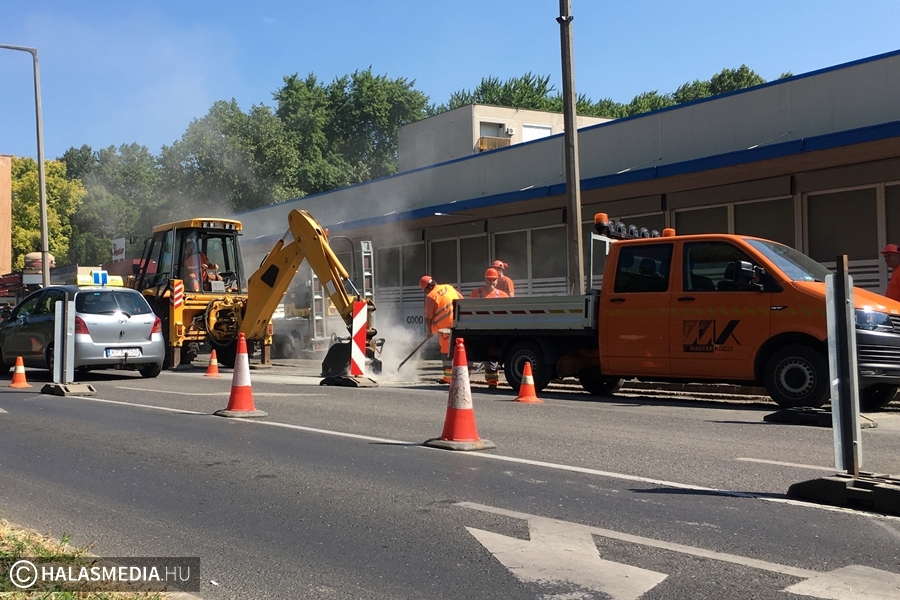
x=45 y=240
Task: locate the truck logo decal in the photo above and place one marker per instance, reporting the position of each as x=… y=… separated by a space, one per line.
x=700 y=336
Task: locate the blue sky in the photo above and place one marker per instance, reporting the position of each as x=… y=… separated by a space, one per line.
x=115 y=72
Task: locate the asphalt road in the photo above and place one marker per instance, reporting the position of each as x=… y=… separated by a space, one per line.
x=333 y=496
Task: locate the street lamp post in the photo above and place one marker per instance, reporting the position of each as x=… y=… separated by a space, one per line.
x=574 y=245
x=45 y=244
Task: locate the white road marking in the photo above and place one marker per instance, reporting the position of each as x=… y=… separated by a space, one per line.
x=852 y=581
x=787 y=464
x=163 y=408
x=525 y=461
x=3 y=411
x=228 y=393
x=560 y=553
x=559 y=542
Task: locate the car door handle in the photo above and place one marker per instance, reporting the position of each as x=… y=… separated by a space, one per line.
x=611 y=300
x=686 y=299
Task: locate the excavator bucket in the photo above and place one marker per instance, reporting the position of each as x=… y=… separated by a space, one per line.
x=336 y=368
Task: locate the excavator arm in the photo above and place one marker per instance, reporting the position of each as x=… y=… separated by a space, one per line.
x=269 y=283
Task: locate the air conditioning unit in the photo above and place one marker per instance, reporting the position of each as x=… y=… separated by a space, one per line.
x=510 y=131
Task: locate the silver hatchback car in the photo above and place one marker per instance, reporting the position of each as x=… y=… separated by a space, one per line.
x=115 y=328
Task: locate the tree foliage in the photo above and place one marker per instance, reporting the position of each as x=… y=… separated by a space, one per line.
x=346 y=132
x=316 y=138
x=63 y=199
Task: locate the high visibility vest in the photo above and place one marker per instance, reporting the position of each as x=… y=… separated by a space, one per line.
x=479 y=293
x=439 y=306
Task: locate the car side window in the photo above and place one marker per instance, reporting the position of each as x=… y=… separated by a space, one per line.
x=643 y=268
x=28 y=307
x=713 y=267
x=47 y=304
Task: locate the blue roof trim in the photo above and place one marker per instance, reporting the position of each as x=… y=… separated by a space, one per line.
x=811 y=144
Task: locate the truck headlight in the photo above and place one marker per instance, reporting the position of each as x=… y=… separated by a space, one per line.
x=873 y=321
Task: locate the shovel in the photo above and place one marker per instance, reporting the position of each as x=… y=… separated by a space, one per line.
x=416 y=349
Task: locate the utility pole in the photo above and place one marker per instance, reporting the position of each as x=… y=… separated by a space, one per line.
x=45 y=243
x=574 y=245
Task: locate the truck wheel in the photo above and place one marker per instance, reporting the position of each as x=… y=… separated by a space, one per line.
x=596 y=384
x=875 y=397
x=515 y=364
x=797 y=376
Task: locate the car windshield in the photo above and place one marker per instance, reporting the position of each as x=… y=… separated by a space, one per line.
x=110 y=301
x=793 y=263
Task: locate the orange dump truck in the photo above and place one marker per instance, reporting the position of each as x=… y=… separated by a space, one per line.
x=699 y=308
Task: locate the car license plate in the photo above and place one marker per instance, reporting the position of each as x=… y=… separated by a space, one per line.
x=122 y=352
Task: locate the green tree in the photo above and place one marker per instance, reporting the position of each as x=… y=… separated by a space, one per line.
x=123 y=199
x=346 y=132
x=648 y=101
x=63 y=198
x=688 y=92
x=529 y=91
x=227 y=161
x=730 y=80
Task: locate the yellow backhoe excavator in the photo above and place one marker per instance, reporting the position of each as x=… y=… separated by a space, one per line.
x=192 y=275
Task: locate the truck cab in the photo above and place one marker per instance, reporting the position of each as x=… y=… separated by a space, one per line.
x=740 y=309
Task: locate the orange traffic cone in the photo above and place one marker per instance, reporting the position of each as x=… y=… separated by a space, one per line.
x=460 y=432
x=526 y=390
x=240 y=403
x=18 y=380
x=213 y=369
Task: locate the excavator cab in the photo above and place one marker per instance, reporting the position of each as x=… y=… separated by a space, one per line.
x=186 y=269
x=204 y=254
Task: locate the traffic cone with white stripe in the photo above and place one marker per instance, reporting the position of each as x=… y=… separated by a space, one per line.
x=460 y=432
x=18 y=380
x=526 y=390
x=240 y=403
x=213 y=369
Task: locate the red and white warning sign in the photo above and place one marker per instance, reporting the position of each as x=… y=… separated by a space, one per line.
x=358 y=347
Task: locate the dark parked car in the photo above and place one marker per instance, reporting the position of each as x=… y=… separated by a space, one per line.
x=115 y=328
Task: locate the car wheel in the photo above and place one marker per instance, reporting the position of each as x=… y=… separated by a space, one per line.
x=515 y=361
x=597 y=384
x=797 y=376
x=876 y=397
x=150 y=371
x=4 y=366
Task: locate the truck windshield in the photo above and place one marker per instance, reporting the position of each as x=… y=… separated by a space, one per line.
x=796 y=265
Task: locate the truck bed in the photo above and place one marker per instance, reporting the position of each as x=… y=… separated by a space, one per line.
x=546 y=313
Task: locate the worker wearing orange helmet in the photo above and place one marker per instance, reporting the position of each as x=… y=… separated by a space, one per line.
x=891 y=254
x=504 y=283
x=439 y=317
x=489 y=290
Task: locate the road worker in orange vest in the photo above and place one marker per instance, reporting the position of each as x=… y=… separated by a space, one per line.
x=504 y=283
x=891 y=254
x=489 y=290
x=439 y=317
